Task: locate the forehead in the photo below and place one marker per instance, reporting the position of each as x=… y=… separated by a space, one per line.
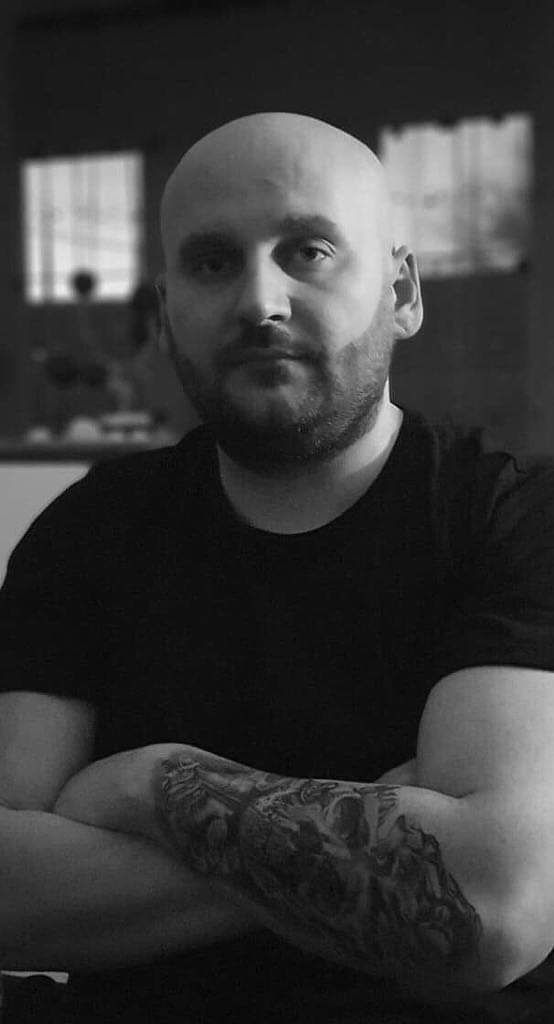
x=259 y=188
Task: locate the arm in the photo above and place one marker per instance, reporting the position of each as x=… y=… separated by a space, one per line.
x=294 y=847
x=373 y=876
x=445 y=885
x=81 y=897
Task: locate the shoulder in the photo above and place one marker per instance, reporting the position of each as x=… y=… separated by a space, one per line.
x=184 y=465
x=490 y=484
x=115 y=499
x=137 y=478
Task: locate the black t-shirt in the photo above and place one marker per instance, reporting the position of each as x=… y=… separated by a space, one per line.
x=309 y=655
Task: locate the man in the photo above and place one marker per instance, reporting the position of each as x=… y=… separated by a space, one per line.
x=277 y=729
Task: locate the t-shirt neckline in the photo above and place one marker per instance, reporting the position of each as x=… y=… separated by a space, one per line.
x=370 y=502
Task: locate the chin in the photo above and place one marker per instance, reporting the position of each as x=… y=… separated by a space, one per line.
x=276 y=446
x=273 y=430
x=281 y=407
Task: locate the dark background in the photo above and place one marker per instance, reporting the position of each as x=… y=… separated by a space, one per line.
x=78 y=76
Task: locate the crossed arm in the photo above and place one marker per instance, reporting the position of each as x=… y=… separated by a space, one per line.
x=346 y=870
x=444 y=885
x=74 y=896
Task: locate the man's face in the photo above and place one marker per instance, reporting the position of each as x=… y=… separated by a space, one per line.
x=278 y=306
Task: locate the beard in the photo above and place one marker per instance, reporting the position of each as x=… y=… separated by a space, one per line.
x=339 y=405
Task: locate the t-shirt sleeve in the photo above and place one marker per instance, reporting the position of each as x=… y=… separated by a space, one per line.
x=51 y=621
x=502 y=595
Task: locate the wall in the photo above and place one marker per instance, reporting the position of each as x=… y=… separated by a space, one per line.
x=12 y=373
x=159 y=80
x=541 y=307
x=471 y=359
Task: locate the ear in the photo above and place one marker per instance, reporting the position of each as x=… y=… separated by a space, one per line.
x=163 y=334
x=408 y=304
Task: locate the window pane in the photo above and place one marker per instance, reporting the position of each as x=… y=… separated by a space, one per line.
x=82 y=213
x=462 y=195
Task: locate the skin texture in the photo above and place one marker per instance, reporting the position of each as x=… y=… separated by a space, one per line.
x=347 y=870
x=465 y=830
x=283 y=295
x=335 y=863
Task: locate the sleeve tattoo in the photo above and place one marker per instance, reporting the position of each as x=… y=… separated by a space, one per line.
x=334 y=862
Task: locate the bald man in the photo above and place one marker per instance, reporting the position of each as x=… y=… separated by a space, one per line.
x=279 y=705
x=282 y=301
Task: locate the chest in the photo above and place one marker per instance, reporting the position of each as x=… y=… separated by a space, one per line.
x=302 y=658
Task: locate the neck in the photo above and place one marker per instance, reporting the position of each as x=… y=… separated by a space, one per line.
x=305 y=500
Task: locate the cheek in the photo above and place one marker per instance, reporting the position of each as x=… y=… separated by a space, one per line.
x=340 y=319
x=366 y=298
x=348 y=308
x=192 y=326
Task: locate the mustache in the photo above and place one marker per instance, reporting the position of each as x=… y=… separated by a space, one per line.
x=273 y=339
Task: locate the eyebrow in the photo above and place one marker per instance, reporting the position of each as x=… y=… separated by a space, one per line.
x=310 y=224
x=302 y=225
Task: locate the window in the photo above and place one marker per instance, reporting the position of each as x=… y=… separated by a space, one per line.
x=82 y=213
x=461 y=194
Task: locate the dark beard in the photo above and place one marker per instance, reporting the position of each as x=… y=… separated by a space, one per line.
x=274 y=449
x=338 y=416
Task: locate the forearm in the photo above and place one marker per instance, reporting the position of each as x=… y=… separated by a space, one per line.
x=391 y=880
x=119 y=792
x=81 y=898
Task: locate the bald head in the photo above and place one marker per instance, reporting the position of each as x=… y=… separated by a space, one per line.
x=276 y=150
x=283 y=295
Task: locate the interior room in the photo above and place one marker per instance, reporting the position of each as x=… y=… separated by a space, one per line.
x=99 y=99
x=98 y=102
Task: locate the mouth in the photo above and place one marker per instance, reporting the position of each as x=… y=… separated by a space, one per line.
x=262 y=355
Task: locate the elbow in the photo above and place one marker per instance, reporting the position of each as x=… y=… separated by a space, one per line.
x=527 y=936
x=517 y=936
x=509 y=884
x=500 y=961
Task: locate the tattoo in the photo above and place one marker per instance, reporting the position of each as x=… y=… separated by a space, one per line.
x=333 y=863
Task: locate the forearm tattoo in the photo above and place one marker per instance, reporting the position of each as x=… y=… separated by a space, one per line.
x=333 y=862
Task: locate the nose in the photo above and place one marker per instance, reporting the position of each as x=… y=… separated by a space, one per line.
x=263 y=293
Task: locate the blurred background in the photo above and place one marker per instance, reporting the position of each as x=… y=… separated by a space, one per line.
x=98 y=101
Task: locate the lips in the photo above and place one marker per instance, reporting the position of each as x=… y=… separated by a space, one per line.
x=261 y=355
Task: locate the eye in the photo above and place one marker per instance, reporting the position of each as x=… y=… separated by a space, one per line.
x=311 y=253
x=208 y=266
